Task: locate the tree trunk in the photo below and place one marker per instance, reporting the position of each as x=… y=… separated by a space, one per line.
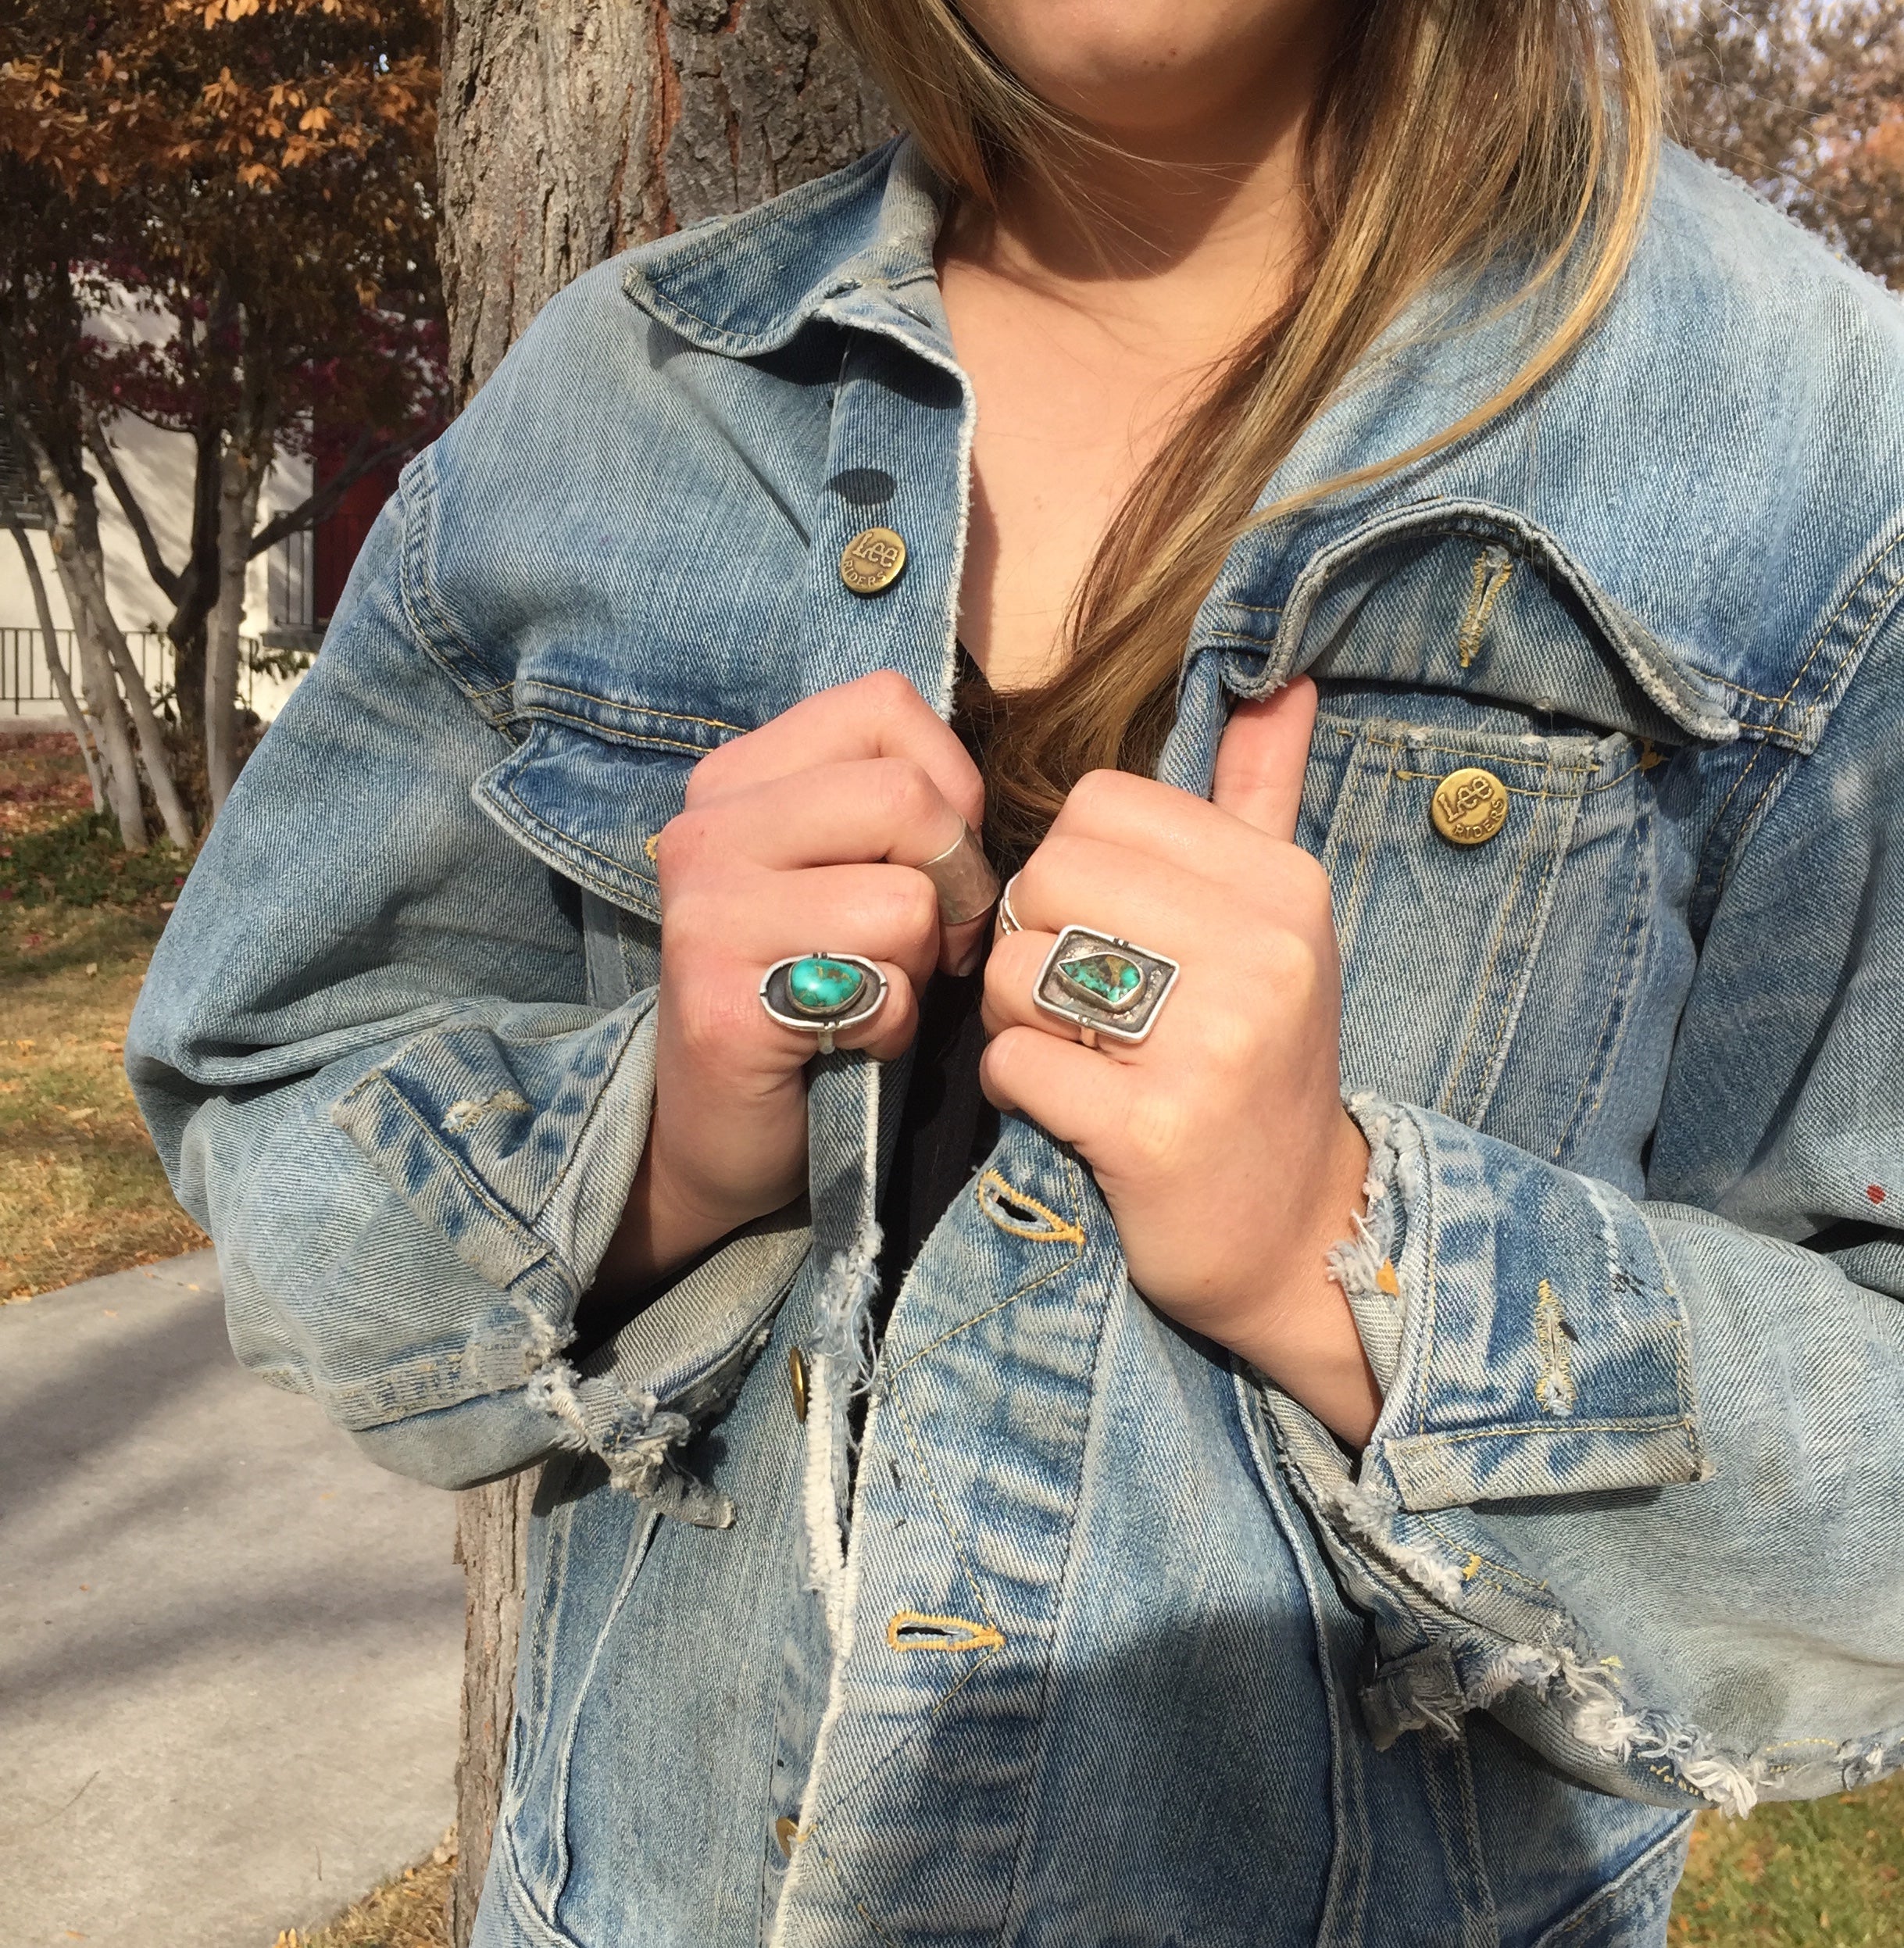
x=570 y=131
x=242 y=473
x=56 y=667
x=119 y=769
x=107 y=664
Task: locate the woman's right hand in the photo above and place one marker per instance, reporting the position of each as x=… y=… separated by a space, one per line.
x=792 y=839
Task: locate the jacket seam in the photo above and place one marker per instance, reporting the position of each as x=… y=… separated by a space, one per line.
x=624 y=703
x=1432 y=1438
x=419 y=490
x=531 y=715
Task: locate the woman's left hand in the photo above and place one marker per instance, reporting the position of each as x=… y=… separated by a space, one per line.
x=1220 y=1143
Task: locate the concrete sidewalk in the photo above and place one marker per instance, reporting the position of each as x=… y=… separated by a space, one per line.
x=229 y=1646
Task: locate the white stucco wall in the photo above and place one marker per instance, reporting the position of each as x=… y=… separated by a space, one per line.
x=157 y=466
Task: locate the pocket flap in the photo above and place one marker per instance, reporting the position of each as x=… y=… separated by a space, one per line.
x=591 y=807
x=1471 y=599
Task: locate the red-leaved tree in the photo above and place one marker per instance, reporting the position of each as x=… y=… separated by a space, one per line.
x=254 y=181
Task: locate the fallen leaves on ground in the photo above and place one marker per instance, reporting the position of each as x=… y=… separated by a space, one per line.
x=411 y=1911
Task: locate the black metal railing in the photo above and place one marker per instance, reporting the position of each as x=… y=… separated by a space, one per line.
x=27 y=685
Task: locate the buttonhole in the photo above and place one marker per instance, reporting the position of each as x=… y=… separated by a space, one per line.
x=912 y=1631
x=864 y=486
x=1022 y=1215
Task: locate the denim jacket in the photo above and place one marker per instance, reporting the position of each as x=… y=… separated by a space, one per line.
x=1096 y=1637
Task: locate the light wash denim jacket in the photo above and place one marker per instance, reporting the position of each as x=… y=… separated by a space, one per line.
x=1098 y=1639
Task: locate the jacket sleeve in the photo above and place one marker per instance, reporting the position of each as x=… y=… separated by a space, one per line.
x=1637 y=1484
x=366 y=1052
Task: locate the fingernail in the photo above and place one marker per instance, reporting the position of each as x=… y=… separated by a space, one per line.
x=973 y=958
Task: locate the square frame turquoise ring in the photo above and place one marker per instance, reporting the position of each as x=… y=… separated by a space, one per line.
x=1104 y=985
x=820 y=993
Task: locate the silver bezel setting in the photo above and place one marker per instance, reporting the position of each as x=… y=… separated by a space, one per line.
x=780 y=1006
x=1130 y=1024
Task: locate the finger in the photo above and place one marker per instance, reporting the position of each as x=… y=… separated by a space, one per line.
x=1073 y=881
x=1262 y=757
x=715 y=1008
x=876 y=716
x=889 y=1034
x=1011 y=979
x=858 y=811
x=881 y=912
x=1158 y=821
x=849 y=813
x=1071 y=1091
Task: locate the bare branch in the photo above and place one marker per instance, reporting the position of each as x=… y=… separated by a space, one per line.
x=321 y=505
x=167 y=579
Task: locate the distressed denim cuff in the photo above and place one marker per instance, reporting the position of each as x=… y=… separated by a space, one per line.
x=519 y=1149
x=1544 y=1349
x=518 y=1146
x=1541 y=1351
x=1363 y=1264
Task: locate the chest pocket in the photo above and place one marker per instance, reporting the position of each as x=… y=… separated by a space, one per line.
x=588 y=790
x=1488 y=979
x=1509 y=899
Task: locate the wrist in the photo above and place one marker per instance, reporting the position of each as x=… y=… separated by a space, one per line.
x=1301 y=1333
x=668 y=1222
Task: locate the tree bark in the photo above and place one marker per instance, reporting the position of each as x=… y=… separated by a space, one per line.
x=56 y=667
x=570 y=131
x=241 y=478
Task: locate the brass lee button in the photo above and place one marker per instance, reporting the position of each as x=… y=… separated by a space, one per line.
x=796 y=1378
x=873 y=561
x=1470 y=806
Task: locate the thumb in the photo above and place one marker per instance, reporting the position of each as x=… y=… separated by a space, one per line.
x=1260 y=762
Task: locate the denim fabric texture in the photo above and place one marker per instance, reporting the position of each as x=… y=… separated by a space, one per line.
x=1098 y=1639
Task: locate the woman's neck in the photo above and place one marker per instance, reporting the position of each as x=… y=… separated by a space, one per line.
x=1087 y=320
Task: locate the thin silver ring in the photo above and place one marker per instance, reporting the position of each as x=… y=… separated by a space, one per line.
x=1008 y=922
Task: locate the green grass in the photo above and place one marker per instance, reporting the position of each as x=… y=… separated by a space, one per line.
x=81 y=1190
x=1820 y=1871
x=79 y=862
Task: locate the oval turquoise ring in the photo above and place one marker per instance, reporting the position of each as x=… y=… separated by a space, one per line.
x=820 y=993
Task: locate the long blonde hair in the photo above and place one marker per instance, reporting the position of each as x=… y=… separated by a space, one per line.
x=1448 y=133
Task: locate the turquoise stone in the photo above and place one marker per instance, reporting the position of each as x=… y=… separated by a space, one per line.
x=816 y=985
x=1109 y=979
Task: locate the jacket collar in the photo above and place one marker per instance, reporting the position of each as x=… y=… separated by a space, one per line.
x=856 y=249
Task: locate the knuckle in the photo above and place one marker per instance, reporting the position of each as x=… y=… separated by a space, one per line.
x=886 y=692
x=709 y=1015
x=1305 y=880
x=1291 y=963
x=684 y=847
x=1097 y=788
x=715 y=773
x=901 y=790
x=1157 y=1124
x=1231 y=1039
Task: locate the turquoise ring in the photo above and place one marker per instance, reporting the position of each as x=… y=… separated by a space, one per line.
x=1104 y=985
x=820 y=993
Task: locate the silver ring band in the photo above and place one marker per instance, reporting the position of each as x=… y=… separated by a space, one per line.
x=1104 y=984
x=967 y=887
x=818 y=994
x=1008 y=922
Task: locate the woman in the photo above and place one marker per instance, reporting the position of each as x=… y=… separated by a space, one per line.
x=1172 y=1436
